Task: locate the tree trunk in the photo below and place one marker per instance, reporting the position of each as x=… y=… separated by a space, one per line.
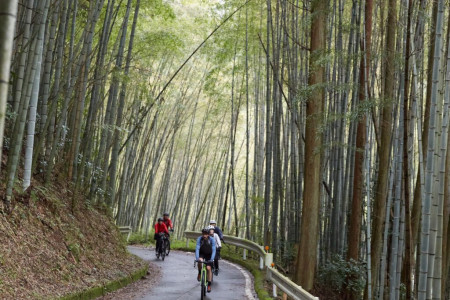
x=406 y=278
x=358 y=179
x=307 y=253
x=385 y=146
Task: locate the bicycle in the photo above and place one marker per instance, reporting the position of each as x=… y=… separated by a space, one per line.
x=162 y=247
x=204 y=276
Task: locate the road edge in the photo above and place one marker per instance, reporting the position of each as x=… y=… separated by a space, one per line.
x=249 y=281
x=98 y=291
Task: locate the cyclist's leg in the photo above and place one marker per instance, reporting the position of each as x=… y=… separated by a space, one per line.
x=199 y=267
x=216 y=259
x=167 y=241
x=209 y=268
x=158 y=243
x=209 y=272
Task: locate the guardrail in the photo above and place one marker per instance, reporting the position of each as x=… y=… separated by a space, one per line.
x=125 y=230
x=287 y=286
x=280 y=281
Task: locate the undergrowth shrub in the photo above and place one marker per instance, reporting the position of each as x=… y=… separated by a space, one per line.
x=137 y=238
x=340 y=275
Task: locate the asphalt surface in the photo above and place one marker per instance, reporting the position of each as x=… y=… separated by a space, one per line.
x=179 y=279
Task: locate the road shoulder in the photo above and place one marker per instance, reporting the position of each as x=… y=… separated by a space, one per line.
x=139 y=288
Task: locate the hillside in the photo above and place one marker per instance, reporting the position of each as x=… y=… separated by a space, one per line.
x=51 y=245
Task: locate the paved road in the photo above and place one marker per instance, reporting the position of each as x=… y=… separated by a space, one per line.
x=179 y=279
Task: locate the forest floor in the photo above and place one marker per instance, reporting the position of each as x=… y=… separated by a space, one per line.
x=52 y=244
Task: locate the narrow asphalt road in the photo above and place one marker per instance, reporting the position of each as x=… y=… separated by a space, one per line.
x=179 y=279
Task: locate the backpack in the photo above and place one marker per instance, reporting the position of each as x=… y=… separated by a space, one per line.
x=208 y=242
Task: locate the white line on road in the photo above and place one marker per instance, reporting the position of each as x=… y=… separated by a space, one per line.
x=248 y=281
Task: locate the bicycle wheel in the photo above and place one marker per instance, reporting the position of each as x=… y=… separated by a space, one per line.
x=163 y=252
x=167 y=247
x=203 y=285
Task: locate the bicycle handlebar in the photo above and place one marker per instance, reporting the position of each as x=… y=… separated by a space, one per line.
x=202 y=261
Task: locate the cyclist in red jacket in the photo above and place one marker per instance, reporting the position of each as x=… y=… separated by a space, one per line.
x=160 y=227
x=168 y=221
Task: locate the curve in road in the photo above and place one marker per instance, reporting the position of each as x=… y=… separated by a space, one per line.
x=179 y=279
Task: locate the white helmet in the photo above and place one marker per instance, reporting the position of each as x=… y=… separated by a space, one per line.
x=210 y=227
x=212 y=222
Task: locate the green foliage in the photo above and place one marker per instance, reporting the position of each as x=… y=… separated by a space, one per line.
x=339 y=274
x=159 y=8
x=257 y=199
x=162 y=41
x=137 y=238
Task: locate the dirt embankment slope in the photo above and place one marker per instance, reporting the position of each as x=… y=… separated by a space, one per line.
x=52 y=245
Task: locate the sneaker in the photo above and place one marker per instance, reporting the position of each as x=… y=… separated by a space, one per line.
x=209 y=289
x=216 y=272
x=198 y=277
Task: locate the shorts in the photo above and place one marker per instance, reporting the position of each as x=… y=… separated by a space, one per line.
x=205 y=256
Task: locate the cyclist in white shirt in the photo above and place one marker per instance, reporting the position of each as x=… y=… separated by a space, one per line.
x=218 y=247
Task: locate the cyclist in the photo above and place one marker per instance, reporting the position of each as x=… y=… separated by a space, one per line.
x=160 y=227
x=205 y=251
x=218 y=247
x=216 y=229
x=168 y=221
x=169 y=226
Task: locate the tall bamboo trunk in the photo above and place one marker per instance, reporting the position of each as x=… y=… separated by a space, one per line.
x=34 y=99
x=8 y=11
x=427 y=241
x=120 y=112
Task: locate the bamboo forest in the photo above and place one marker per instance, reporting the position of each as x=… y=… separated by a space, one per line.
x=317 y=128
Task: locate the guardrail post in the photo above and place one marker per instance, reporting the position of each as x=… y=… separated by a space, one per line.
x=274 y=290
x=244 y=257
x=187 y=243
x=261 y=263
x=269 y=259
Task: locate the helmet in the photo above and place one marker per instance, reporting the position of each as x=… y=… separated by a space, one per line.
x=210 y=227
x=205 y=230
x=212 y=222
x=160 y=219
x=165 y=214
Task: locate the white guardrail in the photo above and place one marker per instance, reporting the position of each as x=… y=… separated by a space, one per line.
x=125 y=230
x=289 y=287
